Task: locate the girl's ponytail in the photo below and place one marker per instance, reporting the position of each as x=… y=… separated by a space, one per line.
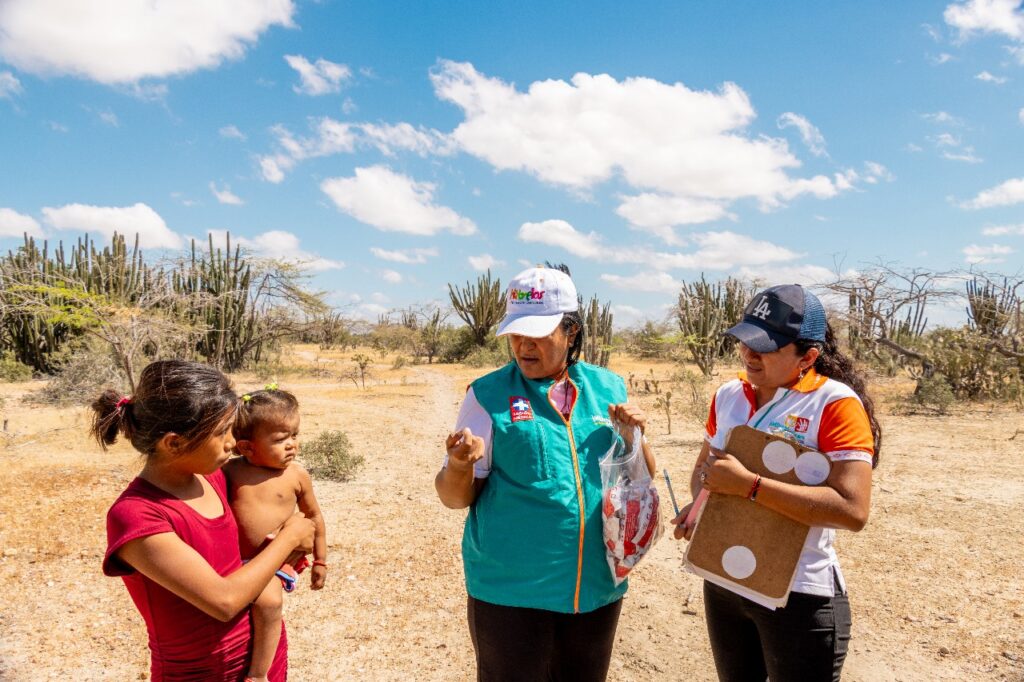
x=110 y=417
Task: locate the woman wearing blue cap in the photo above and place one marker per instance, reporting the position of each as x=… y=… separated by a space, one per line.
x=524 y=458
x=796 y=383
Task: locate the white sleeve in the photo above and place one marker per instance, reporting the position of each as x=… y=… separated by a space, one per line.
x=472 y=415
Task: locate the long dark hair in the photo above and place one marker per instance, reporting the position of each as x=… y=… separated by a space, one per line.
x=571 y=321
x=189 y=399
x=833 y=364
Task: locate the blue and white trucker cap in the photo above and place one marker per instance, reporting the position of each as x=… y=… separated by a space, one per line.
x=536 y=301
x=778 y=316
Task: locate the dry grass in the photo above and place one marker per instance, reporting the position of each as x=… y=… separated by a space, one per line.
x=934 y=579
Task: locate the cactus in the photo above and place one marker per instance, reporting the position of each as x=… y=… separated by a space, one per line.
x=479 y=305
x=597 y=343
x=703 y=312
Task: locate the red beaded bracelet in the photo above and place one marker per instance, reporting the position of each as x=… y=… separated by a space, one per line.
x=319 y=562
x=752 y=495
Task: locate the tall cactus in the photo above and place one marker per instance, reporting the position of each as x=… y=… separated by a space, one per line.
x=703 y=312
x=597 y=321
x=479 y=305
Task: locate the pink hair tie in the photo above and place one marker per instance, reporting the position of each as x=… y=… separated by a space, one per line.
x=123 y=401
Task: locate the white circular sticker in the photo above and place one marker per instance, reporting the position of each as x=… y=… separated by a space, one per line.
x=739 y=562
x=779 y=457
x=812 y=468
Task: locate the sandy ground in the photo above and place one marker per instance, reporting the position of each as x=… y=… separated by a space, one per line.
x=935 y=579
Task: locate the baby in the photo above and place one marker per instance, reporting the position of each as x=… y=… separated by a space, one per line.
x=265 y=485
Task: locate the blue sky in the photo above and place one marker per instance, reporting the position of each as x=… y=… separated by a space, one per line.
x=397 y=146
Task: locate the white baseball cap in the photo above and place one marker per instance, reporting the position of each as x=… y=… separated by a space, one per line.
x=536 y=301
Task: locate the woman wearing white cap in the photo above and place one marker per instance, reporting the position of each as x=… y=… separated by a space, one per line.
x=524 y=458
x=796 y=384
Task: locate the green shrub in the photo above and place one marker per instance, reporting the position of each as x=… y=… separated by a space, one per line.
x=486 y=357
x=934 y=393
x=329 y=456
x=11 y=370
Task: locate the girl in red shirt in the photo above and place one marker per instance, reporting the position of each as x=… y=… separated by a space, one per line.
x=171 y=535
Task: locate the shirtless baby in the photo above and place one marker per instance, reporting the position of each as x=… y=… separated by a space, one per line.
x=265 y=485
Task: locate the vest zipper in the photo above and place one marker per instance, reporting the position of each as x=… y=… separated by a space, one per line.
x=579 y=488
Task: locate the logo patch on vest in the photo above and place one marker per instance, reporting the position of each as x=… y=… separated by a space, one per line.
x=520 y=409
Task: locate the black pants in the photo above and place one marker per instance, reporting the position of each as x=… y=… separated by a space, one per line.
x=532 y=645
x=806 y=640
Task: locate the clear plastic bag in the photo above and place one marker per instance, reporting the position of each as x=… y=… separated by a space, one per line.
x=630 y=507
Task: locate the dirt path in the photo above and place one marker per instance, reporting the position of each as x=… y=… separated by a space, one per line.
x=937 y=570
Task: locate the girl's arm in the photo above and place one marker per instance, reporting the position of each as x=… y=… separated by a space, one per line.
x=844 y=501
x=309 y=506
x=167 y=560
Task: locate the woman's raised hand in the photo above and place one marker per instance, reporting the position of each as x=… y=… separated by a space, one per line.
x=628 y=414
x=464 y=449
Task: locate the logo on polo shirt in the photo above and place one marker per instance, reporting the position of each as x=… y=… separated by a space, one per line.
x=797 y=424
x=519 y=409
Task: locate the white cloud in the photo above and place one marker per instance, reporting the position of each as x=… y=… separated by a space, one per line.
x=109 y=117
x=715 y=250
x=14 y=224
x=392 y=276
x=975 y=254
x=875 y=172
x=986 y=16
x=403 y=136
x=914 y=148
x=1020 y=116
x=657 y=282
x=657 y=137
x=106 y=220
x=409 y=256
x=9 y=85
x=225 y=196
x=989 y=78
x=1007 y=194
x=562 y=234
x=281 y=245
x=967 y=156
x=231 y=132
x=810 y=135
x=484 y=261
x=942 y=58
x=943 y=118
x=658 y=213
x=393 y=202
x=124 y=41
x=1016 y=52
x=336 y=137
x=319 y=78
x=1000 y=230
x=769 y=275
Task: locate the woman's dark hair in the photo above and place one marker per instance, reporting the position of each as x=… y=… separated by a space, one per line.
x=833 y=364
x=268 y=405
x=189 y=399
x=571 y=321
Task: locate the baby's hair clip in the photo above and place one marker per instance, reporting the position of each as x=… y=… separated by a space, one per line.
x=271 y=386
x=125 y=400
x=246 y=398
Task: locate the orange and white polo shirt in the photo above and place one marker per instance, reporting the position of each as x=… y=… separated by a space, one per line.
x=820 y=413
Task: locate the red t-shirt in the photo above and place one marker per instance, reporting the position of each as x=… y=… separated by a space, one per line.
x=185 y=642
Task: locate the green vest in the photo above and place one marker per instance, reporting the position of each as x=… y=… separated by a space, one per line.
x=534 y=535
